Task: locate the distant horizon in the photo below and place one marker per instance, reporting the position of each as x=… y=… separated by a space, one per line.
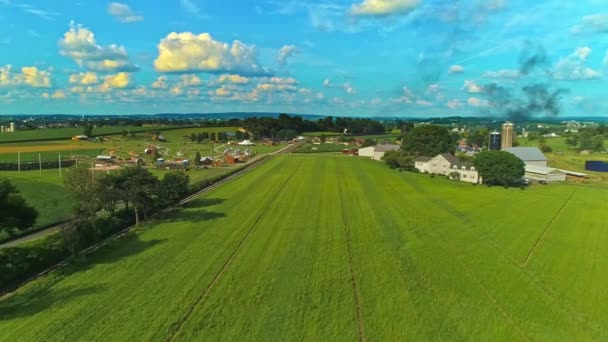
x=232 y=114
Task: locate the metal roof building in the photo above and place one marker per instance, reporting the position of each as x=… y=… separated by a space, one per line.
x=530 y=155
x=547 y=174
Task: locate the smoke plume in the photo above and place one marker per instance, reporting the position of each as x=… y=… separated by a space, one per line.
x=532 y=99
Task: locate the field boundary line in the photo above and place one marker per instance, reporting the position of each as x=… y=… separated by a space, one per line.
x=351 y=266
x=541 y=238
x=177 y=326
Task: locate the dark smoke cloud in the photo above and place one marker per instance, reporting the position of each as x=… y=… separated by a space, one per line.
x=532 y=99
x=531 y=57
x=535 y=99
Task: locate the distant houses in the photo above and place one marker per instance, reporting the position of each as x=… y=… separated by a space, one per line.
x=448 y=165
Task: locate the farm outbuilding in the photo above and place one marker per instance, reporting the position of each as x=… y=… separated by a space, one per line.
x=80 y=138
x=367 y=151
x=546 y=174
x=530 y=155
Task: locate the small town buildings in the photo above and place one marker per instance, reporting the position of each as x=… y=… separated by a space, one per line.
x=545 y=174
x=448 y=165
x=530 y=155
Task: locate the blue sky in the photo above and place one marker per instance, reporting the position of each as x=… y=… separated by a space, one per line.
x=341 y=57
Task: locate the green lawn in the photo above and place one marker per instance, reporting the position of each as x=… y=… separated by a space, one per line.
x=326 y=249
x=45 y=192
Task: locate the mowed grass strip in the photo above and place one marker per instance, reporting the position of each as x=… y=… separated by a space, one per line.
x=432 y=260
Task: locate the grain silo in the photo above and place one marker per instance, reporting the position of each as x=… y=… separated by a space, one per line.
x=495 y=141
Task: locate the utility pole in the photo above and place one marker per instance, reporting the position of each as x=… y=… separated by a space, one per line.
x=40 y=162
x=19 y=162
x=59 y=167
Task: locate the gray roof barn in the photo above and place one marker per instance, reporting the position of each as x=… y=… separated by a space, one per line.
x=527 y=153
x=386 y=148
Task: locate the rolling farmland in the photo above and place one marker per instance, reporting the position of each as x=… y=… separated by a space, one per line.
x=339 y=248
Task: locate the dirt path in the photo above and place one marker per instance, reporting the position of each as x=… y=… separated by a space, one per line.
x=34 y=236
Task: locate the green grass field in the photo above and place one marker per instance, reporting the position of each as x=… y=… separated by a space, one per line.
x=45 y=192
x=68 y=133
x=328 y=248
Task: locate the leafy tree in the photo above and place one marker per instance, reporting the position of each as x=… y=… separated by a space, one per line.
x=88 y=131
x=246 y=135
x=597 y=143
x=15 y=213
x=287 y=134
x=533 y=136
x=124 y=133
x=193 y=137
x=369 y=142
x=407 y=127
x=133 y=135
x=499 y=167
x=572 y=140
x=545 y=148
x=197 y=159
x=80 y=183
x=173 y=187
x=199 y=138
x=108 y=192
x=323 y=138
x=238 y=135
x=427 y=140
x=586 y=140
x=140 y=187
x=399 y=160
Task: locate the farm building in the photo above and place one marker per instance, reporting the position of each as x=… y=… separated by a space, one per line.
x=106 y=159
x=80 y=138
x=246 y=142
x=377 y=152
x=448 y=165
x=530 y=155
x=206 y=161
x=543 y=173
x=367 y=151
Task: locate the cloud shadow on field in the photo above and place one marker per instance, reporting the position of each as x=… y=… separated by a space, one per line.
x=40 y=298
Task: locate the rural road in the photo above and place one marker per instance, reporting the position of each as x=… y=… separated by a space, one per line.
x=33 y=236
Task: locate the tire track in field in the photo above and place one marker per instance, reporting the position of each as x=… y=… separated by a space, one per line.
x=353 y=278
x=541 y=238
x=547 y=289
x=177 y=326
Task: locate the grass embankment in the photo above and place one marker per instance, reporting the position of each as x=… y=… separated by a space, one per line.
x=308 y=248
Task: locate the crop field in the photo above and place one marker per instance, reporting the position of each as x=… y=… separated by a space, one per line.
x=338 y=249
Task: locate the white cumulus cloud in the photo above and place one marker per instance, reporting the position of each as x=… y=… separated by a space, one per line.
x=472 y=87
x=124 y=13
x=235 y=79
x=475 y=102
x=79 y=43
x=502 y=74
x=573 y=67
x=383 y=8
x=84 y=78
x=454 y=104
x=456 y=69
x=27 y=76
x=596 y=23
x=188 y=52
x=285 y=52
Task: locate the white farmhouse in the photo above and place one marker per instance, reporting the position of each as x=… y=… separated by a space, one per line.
x=448 y=165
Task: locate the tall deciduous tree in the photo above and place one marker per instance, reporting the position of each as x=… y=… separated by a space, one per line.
x=15 y=213
x=427 y=140
x=140 y=187
x=499 y=167
x=173 y=187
